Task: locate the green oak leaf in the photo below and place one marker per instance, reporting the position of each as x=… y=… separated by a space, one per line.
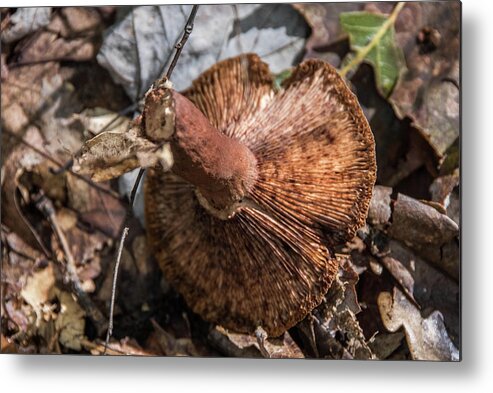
x=385 y=57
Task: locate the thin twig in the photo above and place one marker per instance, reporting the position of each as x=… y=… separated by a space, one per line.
x=179 y=46
x=363 y=52
x=63 y=168
x=46 y=207
x=124 y=234
x=135 y=187
x=113 y=287
x=178 y=49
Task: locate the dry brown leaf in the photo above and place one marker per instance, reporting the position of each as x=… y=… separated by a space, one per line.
x=54 y=186
x=18 y=316
x=48 y=47
x=73 y=34
x=70 y=22
x=17 y=245
x=113 y=153
x=428 y=92
x=401 y=274
x=244 y=345
x=379 y=212
x=84 y=246
x=7 y=345
x=124 y=347
x=39 y=289
x=96 y=209
x=333 y=331
x=323 y=19
x=70 y=323
x=349 y=277
x=385 y=344
x=427 y=338
x=4 y=70
x=14 y=118
x=431 y=234
x=418 y=225
x=170 y=345
x=445 y=190
x=22 y=88
x=375 y=266
x=17 y=162
x=25 y=21
x=433 y=290
x=18 y=261
x=38 y=94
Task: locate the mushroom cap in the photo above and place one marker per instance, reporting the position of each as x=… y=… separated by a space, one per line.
x=271 y=263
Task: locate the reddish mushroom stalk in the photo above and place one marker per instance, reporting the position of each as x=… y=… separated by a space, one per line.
x=223 y=169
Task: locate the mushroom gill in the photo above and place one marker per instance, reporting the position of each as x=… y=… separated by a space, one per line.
x=270 y=263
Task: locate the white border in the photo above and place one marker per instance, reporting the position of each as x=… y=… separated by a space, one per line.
x=85 y=374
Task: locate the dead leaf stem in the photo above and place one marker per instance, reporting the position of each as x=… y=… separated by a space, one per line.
x=113 y=287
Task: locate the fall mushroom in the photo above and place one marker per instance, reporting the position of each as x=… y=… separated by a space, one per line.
x=261 y=188
x=263 y=183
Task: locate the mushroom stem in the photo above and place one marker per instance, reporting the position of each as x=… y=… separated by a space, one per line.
x=223 y=169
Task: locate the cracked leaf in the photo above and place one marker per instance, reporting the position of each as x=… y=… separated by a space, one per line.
x=427 y=338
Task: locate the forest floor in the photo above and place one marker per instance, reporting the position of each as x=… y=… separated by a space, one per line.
x=69 y=73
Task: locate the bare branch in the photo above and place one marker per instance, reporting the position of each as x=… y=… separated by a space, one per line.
x=179 y=46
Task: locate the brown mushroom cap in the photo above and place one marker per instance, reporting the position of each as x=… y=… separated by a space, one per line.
x=270 y=264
